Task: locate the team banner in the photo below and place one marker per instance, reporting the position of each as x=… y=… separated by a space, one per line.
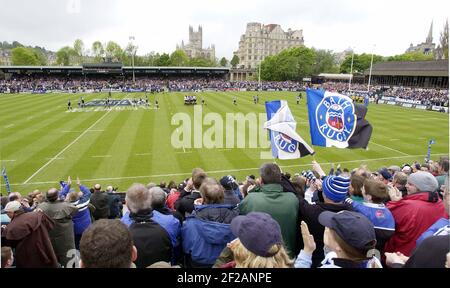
x=335 y=120
x=285 y=142
x=5 y=176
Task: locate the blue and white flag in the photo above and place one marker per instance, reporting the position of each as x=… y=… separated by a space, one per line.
x=285 y=142
x=335 y=120
x=5 y=176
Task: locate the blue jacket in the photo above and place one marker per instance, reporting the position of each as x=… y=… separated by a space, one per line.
x=441 y=227
x=204 y=240
x=168 y=222
x=82 y=219
x=378 y=214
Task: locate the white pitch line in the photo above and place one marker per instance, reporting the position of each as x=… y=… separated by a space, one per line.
x=403 y=153
x=394 y=140
x=224 y=171
x=65 y=148
x=184 y=152
x=101 y=156
x=7 y=160
x=143 y=154
x=59 y=158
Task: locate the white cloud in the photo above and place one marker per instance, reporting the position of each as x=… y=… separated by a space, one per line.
x=159 y=26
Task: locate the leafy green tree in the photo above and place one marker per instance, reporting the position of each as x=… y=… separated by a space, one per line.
x=163 y=60
x=290 y=64
x=24 y=56
x=27 y=56
x=40 y=56
x=128 y=54
x=223 y=62
x=98 y=51
x=201 y=62
x=234 y=61
x=65 y=55
x=324 y=62
x=411 y=56
x=179 y=58
x=78 y=47
x=361 y=62
x=113 y=51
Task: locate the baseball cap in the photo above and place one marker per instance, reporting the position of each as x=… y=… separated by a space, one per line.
x=354 y=228
x=12 y=206
x=257 y=231
x=385 y=173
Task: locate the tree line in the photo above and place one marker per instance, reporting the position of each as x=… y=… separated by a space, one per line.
x=290 y=64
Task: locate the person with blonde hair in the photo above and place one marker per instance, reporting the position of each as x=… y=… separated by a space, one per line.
x=259 y=243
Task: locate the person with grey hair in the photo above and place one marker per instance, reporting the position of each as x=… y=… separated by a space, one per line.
x=415 y=212
x=16 y=196
x=62 y=235
x=164 y=216
x=270 y=198
x=152 y=241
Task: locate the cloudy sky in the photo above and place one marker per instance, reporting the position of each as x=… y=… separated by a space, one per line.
x=386 y=27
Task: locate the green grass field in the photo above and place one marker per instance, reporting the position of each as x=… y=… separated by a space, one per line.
x=41 y=143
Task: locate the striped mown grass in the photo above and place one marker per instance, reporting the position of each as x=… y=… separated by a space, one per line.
x=41 y=143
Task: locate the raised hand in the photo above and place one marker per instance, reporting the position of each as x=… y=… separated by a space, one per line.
x=69 y=180
x=78 y=181
x=394 y=193
x=308 y=239
x=316 y=167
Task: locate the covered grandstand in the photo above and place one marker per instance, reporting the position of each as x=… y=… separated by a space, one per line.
x=114 y=69
x=425 y=74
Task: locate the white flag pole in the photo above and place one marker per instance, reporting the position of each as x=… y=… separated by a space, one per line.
x=370 y=71
x=351 y=70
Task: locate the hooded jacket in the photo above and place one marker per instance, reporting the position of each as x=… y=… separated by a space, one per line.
x=413 y=215
x=283 y=207
x=28 y=234
x=204 y=236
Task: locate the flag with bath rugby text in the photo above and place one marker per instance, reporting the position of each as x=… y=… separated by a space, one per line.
x=335 y=120
x=285 y=142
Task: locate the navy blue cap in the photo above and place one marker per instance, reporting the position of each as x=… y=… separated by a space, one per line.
x=354 y=228
x=258 y=232
x=385 y=173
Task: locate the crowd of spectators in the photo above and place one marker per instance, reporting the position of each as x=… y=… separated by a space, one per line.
x=40 y=84
x=396 y=216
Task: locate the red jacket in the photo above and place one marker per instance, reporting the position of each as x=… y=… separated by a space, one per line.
x=413 y=215
x=173 y=197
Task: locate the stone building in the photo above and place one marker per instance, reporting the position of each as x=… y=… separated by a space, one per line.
x=260 y=41
x=426 y=47
x=194 y=47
